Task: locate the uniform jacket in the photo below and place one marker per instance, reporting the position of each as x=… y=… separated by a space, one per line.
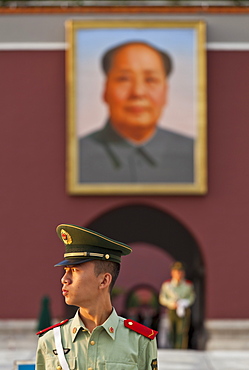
x=171 y=292
x=110 y=346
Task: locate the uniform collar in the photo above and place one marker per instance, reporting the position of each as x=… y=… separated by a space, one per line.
x=176 y=283
x=110 y=325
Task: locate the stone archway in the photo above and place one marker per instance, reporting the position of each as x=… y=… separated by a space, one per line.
x=142 y=223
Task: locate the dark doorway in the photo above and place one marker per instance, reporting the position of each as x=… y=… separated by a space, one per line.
x=141 y=223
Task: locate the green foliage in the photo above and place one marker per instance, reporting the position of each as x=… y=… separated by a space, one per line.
x=117 y=291
x=44 y=320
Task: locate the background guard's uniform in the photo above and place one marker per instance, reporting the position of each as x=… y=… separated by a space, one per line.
x=179 y=319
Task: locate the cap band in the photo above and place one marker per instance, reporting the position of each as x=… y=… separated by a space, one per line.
x=83 y=254
x=105 y=256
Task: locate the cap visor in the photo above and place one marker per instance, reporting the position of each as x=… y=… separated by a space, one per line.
x=72 y=262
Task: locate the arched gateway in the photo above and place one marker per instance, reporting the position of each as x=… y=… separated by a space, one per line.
x=141 y=223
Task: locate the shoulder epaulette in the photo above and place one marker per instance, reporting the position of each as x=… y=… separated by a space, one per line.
x=167 y=281
x=140 y=329
x=189 y=282
x=51 y=327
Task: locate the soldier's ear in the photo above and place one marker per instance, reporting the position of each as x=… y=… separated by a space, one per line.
x=106 y=280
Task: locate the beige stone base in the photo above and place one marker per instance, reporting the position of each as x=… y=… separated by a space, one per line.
x=227 y=334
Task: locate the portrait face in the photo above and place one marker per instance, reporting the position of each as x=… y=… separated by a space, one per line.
x=136 y=89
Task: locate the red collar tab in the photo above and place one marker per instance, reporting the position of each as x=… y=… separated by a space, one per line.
x=51 y=327
x=140 y=329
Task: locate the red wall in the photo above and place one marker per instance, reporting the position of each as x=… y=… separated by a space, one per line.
x=34 y=200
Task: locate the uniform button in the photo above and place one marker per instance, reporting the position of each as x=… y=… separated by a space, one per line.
x=59 y=367
x=92 y=342
x=90 y=368
x=74 y=330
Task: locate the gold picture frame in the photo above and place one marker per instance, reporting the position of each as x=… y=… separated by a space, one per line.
x=185 y=116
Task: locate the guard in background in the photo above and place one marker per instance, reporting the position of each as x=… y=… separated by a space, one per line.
x=177 y=294
x=96 y=338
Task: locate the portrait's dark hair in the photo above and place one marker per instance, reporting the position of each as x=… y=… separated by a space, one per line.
x=112 y=268
x=108 y=56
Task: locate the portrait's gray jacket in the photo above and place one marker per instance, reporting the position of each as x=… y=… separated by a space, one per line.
x=104 y=156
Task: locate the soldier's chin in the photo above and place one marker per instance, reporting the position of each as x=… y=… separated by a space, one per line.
x=67 y=301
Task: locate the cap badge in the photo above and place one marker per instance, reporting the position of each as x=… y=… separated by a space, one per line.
x=66 y=237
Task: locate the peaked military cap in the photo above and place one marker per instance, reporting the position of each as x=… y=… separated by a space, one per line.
x=83 y=245
x=178 y=266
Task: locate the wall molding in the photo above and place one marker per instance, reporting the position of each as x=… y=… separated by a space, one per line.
x=116 y=8
x=53 y=46
x=25 y=46
x=230 y=46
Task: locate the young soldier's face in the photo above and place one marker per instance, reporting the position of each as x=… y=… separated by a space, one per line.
x=136 y=87
x=80 y=284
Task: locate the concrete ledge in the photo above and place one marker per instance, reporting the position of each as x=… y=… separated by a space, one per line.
x=221 y=334
x=227 y=334
x=9 y=325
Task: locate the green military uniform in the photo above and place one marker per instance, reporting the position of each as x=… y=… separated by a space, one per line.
x=110 y=346
x=182 y=293
x=117 y=343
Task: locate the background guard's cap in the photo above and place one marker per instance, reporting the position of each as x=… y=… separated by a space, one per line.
x=178 y=266
x=84 y=245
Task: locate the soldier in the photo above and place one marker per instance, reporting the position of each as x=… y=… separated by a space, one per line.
x=177 y=294
x=96 y=338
